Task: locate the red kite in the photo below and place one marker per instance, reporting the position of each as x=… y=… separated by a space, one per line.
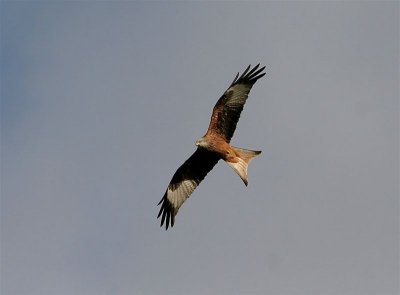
x=213 y=146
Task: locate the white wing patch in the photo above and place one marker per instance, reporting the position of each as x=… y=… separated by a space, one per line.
x=181 y=193
x=239 y=94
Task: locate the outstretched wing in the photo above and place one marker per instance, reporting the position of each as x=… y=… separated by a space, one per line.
x=184 y=182
x=226 y=112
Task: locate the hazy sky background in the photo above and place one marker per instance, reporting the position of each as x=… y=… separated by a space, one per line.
x=102 y=101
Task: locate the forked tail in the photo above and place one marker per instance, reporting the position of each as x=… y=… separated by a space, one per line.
x=241 y=162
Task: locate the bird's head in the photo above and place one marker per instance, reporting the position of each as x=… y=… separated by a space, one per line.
x=202 y=142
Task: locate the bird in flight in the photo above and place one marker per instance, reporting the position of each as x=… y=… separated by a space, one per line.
x=213 y=146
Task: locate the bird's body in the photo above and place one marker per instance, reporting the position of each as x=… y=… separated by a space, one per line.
x=213 y=146
x=235 y=157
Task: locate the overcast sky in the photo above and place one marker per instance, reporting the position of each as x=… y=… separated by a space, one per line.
x=101 y=102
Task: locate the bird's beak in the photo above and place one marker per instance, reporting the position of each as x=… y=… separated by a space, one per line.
x=197 y=143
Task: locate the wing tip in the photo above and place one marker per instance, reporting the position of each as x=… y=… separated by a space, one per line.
x=167 y=212
x=250 y=76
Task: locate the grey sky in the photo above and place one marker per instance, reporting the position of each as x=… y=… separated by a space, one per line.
x=102 y=101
